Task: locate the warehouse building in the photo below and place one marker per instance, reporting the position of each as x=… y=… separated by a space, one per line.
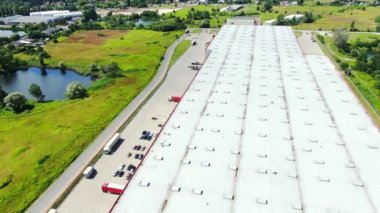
x=40 y=17
x=262 y=128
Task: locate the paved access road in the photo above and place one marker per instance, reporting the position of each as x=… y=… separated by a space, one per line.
x=46 y=200
x=87 y=195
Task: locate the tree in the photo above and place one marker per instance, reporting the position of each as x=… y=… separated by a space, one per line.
x=89 y=13
x=309 y=17
x=352 y=26
x=340 y=38
x=75 y=90
x=15 y=101
x=111 y=70
x=267 y=6
x=36 y=92
x=3 y=94
x=62 y=66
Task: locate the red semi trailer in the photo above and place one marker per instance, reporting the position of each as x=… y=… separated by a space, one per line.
x=175 y=98
x=112 y=188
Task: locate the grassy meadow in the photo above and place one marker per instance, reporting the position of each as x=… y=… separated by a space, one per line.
x=36 y=146
x=179 y=51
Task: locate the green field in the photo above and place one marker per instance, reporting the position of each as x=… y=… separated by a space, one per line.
x=332 y=16
x=35 y=147
x=179 y=51
x=215 y=21
x=362 y=82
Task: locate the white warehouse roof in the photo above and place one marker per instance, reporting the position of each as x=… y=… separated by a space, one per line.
x=262 y=128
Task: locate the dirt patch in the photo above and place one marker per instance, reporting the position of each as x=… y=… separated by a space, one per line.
x=127 y=81
x=95 y=37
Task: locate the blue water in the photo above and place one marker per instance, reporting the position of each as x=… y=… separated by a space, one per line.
x=53 y=83
x=144 y=22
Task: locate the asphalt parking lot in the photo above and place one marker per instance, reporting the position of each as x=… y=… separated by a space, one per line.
x=87 y=195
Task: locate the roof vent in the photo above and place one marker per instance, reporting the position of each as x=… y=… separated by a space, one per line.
x=262 y=171
x=158 y=158
x=263 y=94
x=210 y=101
x=196 y=89
x=287 y=137
x=262 y=135
x=309 y=123
x=262 y=119
x=144 y=183
x=319 y=161
x=291 y=158
x=282 y=107
x=243 y=104
x=199 y=128
x=233 y=167
x=262 y=155
x=190 y=99
x=261 y=200
x=176 y=126
x=340 y=143
x=214 y=91
x=223 y=102
x=244 y=93
x=350 y=165
x=373 y=146
x=192 y=147
x=165 y=143
x=238 y=132
x=241 y=117
x=219 y=115
x=167 y=133
x=176 y=188
x=293 y=175
x=186 y=161
x=297 y=206
x=307 y=149
x=226 y=91
x=324 y=178
x=206 y=163
x=285 y=121
x=358 y=183
x=304 y=109
x=184 y=111
x=215 y=130
x=263 y=105
x=313 y=140
x=362 y=128
x=235 y=152
x=197 y=191
x=229 y=196
x=201 y=80
x=206 y=114
x=301 y=97
x=210 y=149
x=353 y=113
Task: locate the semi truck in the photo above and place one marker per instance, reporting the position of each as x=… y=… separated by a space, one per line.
x=88 y=172
x=175 y=98
x=111 y=143
x=112 y=188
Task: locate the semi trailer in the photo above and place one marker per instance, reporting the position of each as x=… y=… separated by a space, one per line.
x=112 y=188
x=111 y=143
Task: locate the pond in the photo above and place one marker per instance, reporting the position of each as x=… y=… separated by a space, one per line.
x=142 y=21
x=53 y=82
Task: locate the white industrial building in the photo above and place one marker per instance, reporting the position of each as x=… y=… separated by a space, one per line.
x=40 y=17
x=262 y=128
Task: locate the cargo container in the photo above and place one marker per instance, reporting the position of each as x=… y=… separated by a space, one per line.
x=175 y=98
x=111 y=143
x=112 y=188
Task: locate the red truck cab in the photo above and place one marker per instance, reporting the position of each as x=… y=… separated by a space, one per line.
x=175 y=98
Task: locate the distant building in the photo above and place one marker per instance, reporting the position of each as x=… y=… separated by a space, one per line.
x=40 y=17
x=298 y=18
x=231 y=8
x=9 y=33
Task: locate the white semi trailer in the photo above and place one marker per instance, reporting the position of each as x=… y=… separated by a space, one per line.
x=111 y=143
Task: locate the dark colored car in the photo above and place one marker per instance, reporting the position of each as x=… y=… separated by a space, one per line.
x=131 y=168
x=121 y=173
x=129 y=154
x=136 y=156
x=140 y=157
x=129 y=176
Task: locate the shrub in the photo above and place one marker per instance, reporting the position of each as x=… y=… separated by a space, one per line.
x=76 y=90
x=15 y=101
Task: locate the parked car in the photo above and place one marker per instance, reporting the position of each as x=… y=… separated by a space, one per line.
x=131 y=168
x=121 y=173
x=142 y=148
x=129 y=154
x=140 y=156
x=144 y=132
x=136 y=156
x=122 y=166
x=115 y=173
x=195 y=63
x=129 y=176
